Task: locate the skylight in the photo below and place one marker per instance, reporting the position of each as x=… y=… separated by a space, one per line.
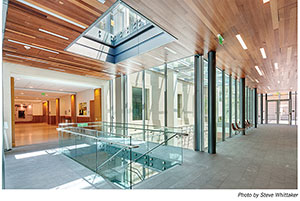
x=120 y=33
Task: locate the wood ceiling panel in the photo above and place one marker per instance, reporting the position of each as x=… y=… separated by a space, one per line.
x=195 y=24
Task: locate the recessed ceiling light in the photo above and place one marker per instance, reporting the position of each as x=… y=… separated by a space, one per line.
x=22 y=93
x=158 y=59
x=50 y=13
x=239 y=37
x=258 y=70
x=57 y=69
x=53 y=34
x=26 y=58
x=102 y=1
x=60 y=89
x=17 y=97
x=256 y=81
x=18 y=78
x=263 y=53
x=60 y=2
x=134 y=62
x=276 y=66
x=266 y=1
x=27 y=47
x=40 y=48
x=278 y=82
x=31 y=87
x=269 y=88
x=170 y=50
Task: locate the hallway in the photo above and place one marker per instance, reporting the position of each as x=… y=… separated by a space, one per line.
x=266 y=158
x=34 y=133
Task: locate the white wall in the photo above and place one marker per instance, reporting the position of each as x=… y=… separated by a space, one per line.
x=52 y=108
x=84 y=96
x=65 y=105
x=37 y=109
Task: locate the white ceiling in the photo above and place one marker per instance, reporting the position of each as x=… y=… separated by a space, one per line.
x=53 y=85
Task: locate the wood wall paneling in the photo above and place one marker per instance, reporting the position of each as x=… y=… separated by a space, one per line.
x=57 y=101
x=92 y=110
x=73 y=108
x=97 y=104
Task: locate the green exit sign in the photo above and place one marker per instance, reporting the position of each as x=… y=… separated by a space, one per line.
x=221 y=39
x=43 y=94
x=82 y=125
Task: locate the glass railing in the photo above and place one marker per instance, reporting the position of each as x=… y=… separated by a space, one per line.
x=124 y=154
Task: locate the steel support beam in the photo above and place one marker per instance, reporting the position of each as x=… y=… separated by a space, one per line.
x=262 y=108
x=230 y=104
x=295 y=107
x=242 y=103
x=144 y=104
x=212 y=123
x=290 y=108
x=198 y=118
x=125 y=102
x=166 y=100
x=223 y=106
x=235 y=104
x=255 y=108
x=266 y=108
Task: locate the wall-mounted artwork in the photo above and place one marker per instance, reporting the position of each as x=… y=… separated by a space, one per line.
x=83 y=108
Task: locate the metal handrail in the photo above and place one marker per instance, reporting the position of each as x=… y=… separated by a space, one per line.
x=100 y=139
x=115 y=154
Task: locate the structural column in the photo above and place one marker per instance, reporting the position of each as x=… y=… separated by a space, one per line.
x=235 y=101
x=57 y=120
x=242 y=103
x=261 y=108
x=266 y=108
x=212 y=124
x=290 y=108
x=230 y=104
x=73 y=108
x=295 y=108
x=255 y=108
x=97 y=104
x=199 y=104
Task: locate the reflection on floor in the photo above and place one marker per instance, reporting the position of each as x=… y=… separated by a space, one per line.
x=33 y=133
x=41 y=166
x=264 y=158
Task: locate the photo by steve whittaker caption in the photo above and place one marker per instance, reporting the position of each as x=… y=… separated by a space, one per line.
x=267 y=195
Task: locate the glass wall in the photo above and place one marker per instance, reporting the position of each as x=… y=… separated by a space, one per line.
x=144 y=96
x=259 y=115
x=227 y=105
x=219 y=104
x=233 y=113
x=205 y=87
x=238 y=101
x=180 y=98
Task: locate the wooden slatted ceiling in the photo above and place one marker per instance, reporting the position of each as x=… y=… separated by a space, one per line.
x=195 y=23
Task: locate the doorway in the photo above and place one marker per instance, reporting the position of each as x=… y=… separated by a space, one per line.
x=278 y=112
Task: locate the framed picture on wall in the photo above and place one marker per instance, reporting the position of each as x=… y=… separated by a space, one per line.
x=83 y=108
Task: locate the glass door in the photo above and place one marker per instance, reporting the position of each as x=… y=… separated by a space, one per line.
x=283 y=112
x=272 y=112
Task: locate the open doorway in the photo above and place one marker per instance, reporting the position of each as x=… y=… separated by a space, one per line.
x=39 y=106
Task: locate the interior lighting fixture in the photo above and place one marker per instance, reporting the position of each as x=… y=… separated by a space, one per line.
x=258 y=70
x=239 y=37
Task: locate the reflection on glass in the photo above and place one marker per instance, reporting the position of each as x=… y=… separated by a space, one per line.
x=233 y=112
x=117 y=25
x=205 y=87
x=219 y=104
x=227 y=105
x=238 y=101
